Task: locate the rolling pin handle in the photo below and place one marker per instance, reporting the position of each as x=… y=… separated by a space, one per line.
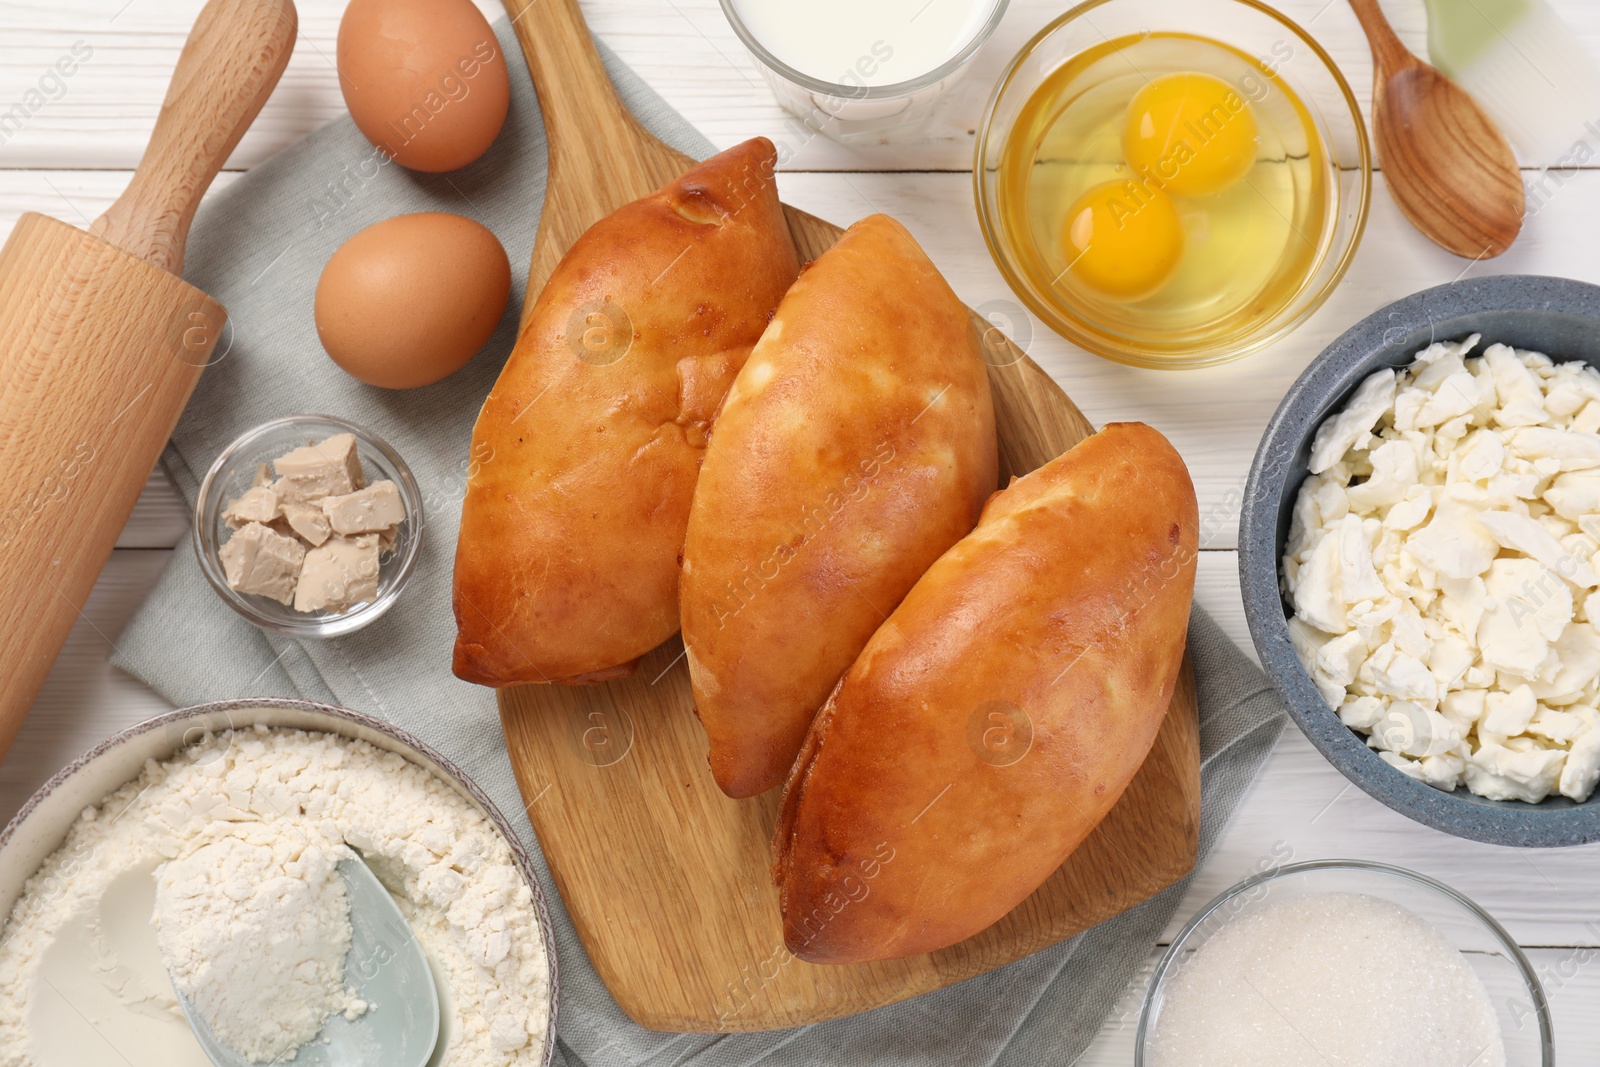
x=229 y=66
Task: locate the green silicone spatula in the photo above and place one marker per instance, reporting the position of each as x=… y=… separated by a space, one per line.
x=1528 y=71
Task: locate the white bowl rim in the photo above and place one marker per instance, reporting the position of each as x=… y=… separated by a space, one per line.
x=455 y=774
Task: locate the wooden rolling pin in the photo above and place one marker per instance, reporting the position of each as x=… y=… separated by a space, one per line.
x=101 y=344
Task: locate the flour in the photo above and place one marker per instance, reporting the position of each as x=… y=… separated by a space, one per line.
x=247 y=830
x=254 y=930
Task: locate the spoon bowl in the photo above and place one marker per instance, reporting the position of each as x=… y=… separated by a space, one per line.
x=387 y=968
x=1447 y=165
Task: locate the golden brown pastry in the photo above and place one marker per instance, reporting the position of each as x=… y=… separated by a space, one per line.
x=585 y=454
x=999 y=713
x=856 y=445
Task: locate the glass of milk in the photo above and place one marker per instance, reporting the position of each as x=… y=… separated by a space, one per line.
x=862 y=70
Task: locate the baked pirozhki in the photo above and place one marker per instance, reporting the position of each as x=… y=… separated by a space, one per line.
x=999 y=713
x=855 y=447
x=585 y=454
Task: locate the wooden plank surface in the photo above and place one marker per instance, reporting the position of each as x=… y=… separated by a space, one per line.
x=685 y=51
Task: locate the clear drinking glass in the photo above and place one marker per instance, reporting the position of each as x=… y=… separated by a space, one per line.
x=854 y=113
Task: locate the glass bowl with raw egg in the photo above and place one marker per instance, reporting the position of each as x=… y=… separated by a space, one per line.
x=1177 y=197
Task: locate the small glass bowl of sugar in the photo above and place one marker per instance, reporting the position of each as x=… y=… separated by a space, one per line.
x=1344 y=961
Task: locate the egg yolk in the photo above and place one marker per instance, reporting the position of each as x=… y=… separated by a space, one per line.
x=1193 y=134
x=1122 y=239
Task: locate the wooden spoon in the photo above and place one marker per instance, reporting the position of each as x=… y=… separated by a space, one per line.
x=1446 y=164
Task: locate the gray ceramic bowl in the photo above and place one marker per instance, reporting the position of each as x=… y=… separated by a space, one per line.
x=38 y=829
x=1556 y=316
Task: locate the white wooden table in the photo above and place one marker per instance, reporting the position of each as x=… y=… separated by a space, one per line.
x=72 y=155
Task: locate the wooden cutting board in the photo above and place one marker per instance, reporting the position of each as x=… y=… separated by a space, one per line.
x=664 y=877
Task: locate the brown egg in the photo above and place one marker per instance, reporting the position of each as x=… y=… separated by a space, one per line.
x=411 y=299
x=425 y=80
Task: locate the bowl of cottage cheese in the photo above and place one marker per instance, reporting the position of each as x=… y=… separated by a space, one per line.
x=1420 y=557
x=197 y=851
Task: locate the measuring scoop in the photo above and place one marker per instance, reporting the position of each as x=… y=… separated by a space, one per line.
x=386 y=968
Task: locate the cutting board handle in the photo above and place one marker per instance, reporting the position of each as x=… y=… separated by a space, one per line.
x=600 y=156
x=584 y=118
x=228 y=68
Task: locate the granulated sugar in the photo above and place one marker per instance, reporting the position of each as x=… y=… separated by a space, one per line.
x=282 y=806
x=1341 y=979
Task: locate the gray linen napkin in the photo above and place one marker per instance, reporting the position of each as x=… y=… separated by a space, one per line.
x=259 y=246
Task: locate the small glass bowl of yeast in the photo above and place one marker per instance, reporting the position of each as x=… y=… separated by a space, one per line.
x=1283 y=967
x=1172 y=184
x=247 y=463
